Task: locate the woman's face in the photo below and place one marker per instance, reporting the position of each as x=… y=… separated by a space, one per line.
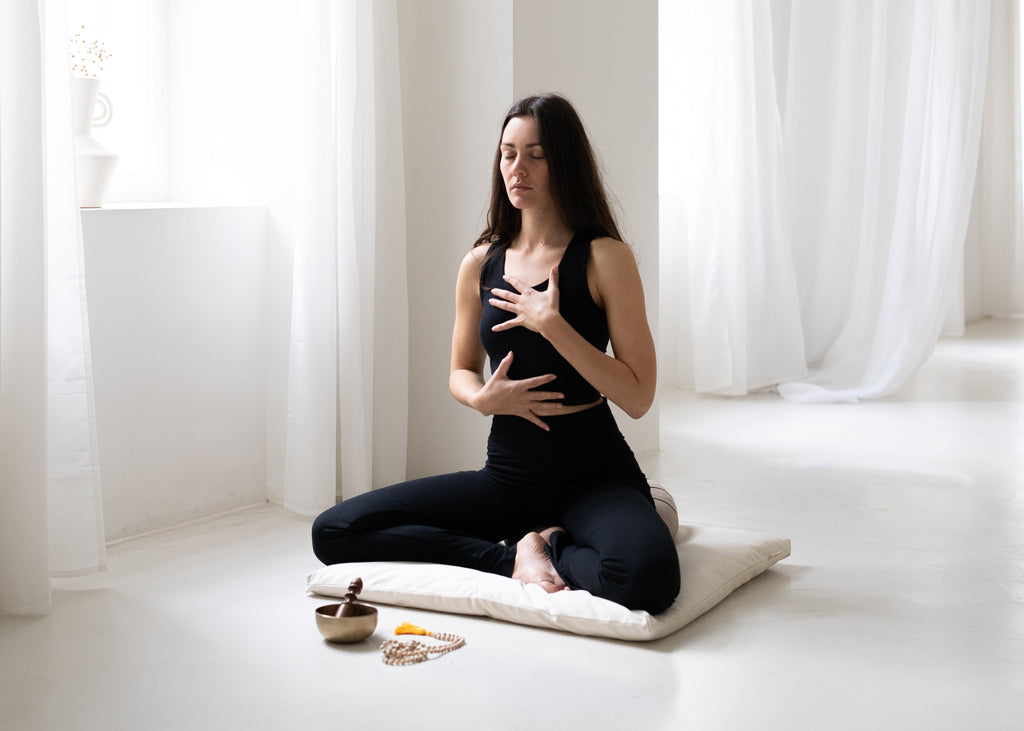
x=524 y=167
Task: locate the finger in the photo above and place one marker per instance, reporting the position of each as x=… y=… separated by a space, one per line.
x=553 y=279
x=507 y=325
x=513 y=281
x=547 y=408
x=502 y=305
x=505 y=294
x=537 y=381
x=503 y=366
x=534 y=419
x=546 y=397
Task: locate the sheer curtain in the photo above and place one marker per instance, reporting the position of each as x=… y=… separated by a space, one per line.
x=338 y=209
x=51 y=511
x=881 y=108
x=347 y=396
x=728 y=283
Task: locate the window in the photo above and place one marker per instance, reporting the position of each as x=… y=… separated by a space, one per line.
x=202 y=95
x=134 y=79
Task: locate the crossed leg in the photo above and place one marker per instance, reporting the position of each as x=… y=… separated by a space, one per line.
x=616 y=546
x=456 y=519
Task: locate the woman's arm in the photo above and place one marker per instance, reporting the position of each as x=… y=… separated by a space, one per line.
x=499 y=394
x=467 y=365
x=629 y=377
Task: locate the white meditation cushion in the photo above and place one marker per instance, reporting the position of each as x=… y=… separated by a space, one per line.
x=713 y=561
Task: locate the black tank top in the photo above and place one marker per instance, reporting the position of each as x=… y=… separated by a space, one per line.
x=533 y=355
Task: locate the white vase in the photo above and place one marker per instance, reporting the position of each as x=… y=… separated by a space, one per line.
x=94 y=163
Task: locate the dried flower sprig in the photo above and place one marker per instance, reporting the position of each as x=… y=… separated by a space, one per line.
x=87 y=57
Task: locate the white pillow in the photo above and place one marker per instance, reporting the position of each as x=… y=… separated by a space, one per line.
x=713 y=562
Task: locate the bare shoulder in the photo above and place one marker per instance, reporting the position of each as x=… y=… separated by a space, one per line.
x=467 y=284
x=611 y=254
x=479 y=253
x=612 y=272
x=472 y=261
x=612 y=262
x=475 y=256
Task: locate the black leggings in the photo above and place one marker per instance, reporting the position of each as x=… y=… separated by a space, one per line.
x=581 y=475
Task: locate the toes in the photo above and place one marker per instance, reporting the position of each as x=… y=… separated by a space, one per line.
x=533 y=566
x=547 y=533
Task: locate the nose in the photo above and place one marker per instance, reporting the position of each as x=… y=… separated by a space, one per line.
x=518 y=169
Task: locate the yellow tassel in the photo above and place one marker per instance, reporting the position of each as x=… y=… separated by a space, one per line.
x=405 y=628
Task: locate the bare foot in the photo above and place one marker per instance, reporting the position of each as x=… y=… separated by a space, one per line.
x=533 y=565
x=546 y=533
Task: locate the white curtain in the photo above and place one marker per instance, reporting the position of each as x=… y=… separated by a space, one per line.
x=339 y=211
x=862 y=205
x=727 y=274
x=50 y=507
x=347 y=398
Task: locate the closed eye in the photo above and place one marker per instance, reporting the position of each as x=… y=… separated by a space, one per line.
x=534 y=148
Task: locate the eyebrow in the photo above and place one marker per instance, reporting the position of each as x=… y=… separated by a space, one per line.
x=528 y=144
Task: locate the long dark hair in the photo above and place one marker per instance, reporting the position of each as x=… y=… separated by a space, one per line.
x=575 y=179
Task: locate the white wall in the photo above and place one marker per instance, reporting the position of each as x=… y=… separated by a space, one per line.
x=177 y=312
x=603 y=56
x=456 y=63
x=991 y=276
x=463 y=64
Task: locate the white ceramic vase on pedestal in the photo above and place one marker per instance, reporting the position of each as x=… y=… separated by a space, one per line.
x=94 y=163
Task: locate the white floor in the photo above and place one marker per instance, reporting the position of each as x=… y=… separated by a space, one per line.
x=902 y=606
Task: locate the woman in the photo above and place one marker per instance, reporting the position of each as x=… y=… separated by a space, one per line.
x=561 y=501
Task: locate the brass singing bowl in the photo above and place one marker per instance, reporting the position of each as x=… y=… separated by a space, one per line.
x=354 y=628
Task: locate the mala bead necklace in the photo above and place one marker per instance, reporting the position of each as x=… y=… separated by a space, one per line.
x=402 y=652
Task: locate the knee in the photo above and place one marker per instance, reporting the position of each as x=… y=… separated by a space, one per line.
x=329 y=534
x=649 y=582
x=321 y=538
x=662 y=585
